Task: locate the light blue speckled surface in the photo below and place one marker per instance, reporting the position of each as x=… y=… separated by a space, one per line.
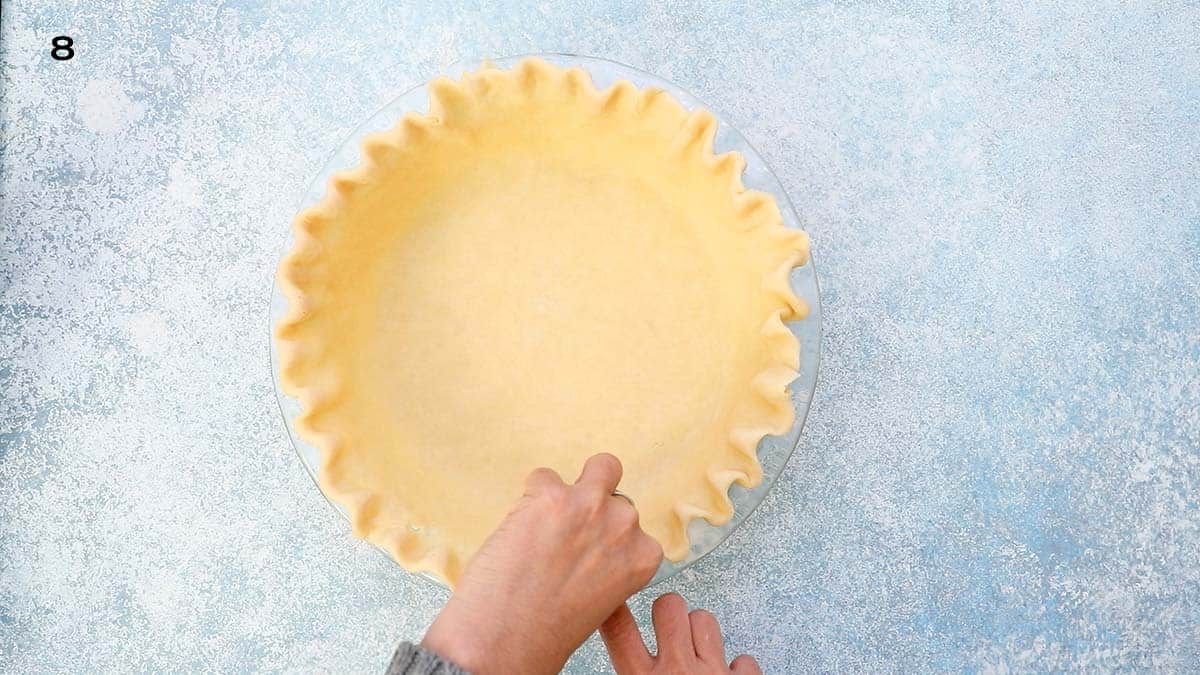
x=1002 y=465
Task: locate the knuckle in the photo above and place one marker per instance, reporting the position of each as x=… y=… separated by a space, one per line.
x=645 y=572
x=558 y=498
x=625 y=515
x=587 y=512
x=648 y=565
x=580 y=507
x=588 y=503
x=683 y=663
x=653 y=549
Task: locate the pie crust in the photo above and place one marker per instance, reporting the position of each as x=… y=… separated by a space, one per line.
x=534 y=272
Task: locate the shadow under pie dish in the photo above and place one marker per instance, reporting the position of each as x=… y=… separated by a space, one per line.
x=535 y=271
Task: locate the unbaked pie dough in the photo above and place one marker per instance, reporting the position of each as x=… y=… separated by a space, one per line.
x=534 y=272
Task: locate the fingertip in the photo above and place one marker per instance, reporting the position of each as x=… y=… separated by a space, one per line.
x=542 y=478
x=608 y=461
x=607 y=457
x=669 y=597
x=745 y=665
x=603 y=469
x=669 y=603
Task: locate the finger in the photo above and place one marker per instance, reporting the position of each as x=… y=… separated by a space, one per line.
x=706 y=637
x=623 y=515
x=745 y=665
x=671 y=625
x=647 y=557
x=542 y=479
x=602 y=472
x=624 y=642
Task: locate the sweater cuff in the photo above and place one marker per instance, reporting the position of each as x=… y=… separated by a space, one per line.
x=411 y=659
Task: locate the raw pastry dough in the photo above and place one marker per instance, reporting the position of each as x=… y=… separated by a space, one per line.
x=532 y=273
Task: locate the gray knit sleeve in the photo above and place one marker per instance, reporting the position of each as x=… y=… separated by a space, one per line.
x=411 y=659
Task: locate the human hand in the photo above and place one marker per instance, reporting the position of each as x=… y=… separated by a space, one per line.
x=687 y=643
x=561 y=562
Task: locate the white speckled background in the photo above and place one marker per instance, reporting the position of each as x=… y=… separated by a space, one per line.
x=1002 y=465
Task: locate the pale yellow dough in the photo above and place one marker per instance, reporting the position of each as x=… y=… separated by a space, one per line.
x=533 y=273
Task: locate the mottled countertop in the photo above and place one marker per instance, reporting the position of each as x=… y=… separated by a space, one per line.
x=1001 y=469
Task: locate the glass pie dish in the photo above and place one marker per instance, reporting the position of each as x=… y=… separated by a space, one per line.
x=773 y=451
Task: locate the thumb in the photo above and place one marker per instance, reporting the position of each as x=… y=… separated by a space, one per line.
x=624 y=642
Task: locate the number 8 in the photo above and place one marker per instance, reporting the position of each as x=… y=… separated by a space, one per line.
x=62 y=48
